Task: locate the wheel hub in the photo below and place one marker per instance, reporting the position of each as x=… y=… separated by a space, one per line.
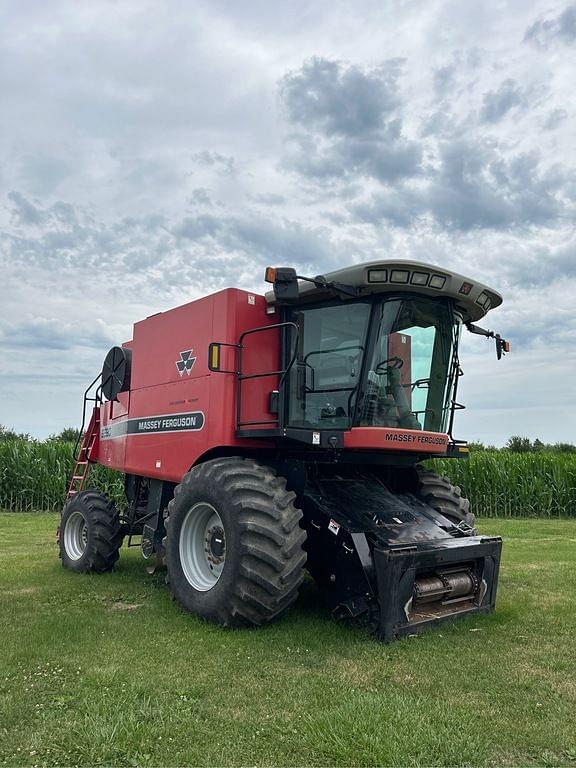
x=75 y=536
x=202 y=546
x=215 y=545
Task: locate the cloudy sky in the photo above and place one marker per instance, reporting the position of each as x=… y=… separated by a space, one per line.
x=151 y=152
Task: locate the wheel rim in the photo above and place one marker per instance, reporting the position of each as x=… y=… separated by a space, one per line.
x=75 y=536
x=202 y=546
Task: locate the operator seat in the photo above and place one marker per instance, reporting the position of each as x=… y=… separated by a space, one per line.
x=406 y=418
x=385 y=403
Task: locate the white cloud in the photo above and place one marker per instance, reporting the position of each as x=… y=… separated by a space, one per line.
x=151 y=153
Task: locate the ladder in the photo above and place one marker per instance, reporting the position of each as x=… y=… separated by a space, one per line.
x=82 y=465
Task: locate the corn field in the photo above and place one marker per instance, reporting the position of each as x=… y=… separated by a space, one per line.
x=34 y=476
x=505 y=484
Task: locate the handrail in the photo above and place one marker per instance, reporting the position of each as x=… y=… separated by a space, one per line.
x=96 y=399
x=282 y=373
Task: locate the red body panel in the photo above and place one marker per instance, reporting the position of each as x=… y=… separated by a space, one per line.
x=137 y=435
x=394 y=439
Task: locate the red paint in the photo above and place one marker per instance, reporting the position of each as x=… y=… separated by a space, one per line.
x=394 y=439
x=157 y=388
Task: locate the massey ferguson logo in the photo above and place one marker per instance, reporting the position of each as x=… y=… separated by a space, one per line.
x=186 y=362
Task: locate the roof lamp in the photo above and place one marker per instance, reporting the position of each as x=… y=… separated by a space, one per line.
x=399 y=276
x=465 y=288
x=377 y=275
x=437 y=281
x=419 y=278
x=483 y=300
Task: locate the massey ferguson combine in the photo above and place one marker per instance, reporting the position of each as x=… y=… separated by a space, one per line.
x=260 y=436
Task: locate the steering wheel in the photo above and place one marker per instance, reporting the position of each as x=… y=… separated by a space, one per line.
x=396 y=364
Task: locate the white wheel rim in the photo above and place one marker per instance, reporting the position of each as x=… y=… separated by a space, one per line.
x=202 y=546
x=75 y=536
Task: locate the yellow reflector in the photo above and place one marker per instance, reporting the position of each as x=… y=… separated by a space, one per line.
x=215 y=357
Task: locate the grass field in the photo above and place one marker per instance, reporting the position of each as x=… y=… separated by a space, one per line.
x=106 y=670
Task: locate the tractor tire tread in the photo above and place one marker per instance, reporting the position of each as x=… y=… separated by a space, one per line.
x=270 y=540
x=437 y=491
x=103 y=547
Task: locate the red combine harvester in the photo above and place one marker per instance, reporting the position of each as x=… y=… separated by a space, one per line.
x=262 y=435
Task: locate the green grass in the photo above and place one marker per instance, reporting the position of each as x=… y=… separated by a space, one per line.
x=106 y=670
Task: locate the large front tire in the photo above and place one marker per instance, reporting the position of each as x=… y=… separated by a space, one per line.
x=90 y=533
x=233 y=543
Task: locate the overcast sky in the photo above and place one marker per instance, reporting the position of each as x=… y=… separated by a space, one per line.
x=152 y=152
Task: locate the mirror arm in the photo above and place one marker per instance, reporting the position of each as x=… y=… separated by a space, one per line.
x=285 y=284
x=321 y=282
x=502 y=346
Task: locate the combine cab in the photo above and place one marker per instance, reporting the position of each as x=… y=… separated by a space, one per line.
x=260 y=436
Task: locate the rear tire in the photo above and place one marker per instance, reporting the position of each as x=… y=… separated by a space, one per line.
x=233 y=543
x=444 y=497
x=90 y=533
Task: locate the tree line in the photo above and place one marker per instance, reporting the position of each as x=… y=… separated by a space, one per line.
x=520 y=444
x=67 y=435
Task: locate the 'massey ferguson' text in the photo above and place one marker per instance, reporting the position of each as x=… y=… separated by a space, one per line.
x=415 y=437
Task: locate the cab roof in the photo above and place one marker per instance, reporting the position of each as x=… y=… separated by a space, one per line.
x=473 y=298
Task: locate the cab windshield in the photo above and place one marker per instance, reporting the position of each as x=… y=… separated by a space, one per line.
x=384 y=364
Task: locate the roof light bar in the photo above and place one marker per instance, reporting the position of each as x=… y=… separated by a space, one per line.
x=405 y=276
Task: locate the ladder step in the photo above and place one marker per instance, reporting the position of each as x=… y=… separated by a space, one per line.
x=82 y=464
